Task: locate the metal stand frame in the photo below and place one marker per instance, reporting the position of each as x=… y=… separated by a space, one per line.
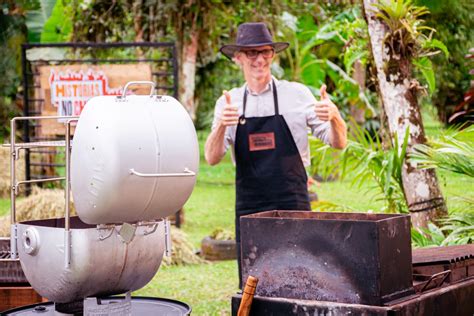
x=15 y=154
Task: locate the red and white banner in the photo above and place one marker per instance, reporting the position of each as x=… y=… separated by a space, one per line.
x=65 y=89
x=72 y=89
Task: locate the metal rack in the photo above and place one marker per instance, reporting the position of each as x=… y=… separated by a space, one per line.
x=14 y=155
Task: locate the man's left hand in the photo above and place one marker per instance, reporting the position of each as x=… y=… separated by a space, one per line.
x=325 y=110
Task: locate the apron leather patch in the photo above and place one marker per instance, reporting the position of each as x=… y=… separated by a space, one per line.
x=261 y=141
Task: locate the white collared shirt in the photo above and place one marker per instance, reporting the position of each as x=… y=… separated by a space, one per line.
x=295 y=103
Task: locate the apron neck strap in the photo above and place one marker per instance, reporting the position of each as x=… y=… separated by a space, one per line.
x=275 y=99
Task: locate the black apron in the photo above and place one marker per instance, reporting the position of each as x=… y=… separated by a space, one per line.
x=270 y=174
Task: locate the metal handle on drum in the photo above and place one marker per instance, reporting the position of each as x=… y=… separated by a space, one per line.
x=186 y=173
x=124 y=93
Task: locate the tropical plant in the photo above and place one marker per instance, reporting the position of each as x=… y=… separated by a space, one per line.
x=316 y=50
x=371 y=160
x=12 y=35
x=406 y=39
x=36 y=16
x=367 y=160
x=57 y=29
x=452 y=151
x=454 y=22
x=457 y=229
x=325 y=160
x=427 y=237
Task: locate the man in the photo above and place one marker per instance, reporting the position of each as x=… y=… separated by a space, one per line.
x=266 y=121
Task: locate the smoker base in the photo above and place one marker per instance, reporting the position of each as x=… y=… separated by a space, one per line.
x=456 y=299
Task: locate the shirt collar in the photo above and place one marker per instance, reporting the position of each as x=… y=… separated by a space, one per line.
x=268 y=88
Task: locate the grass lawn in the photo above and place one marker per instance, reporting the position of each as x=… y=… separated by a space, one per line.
x=208 y=287
x=4 y=206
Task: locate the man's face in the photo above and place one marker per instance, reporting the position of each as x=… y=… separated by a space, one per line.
x=256 y=61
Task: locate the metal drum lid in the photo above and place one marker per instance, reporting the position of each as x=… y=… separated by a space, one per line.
x=133 y=159
x=141 y=306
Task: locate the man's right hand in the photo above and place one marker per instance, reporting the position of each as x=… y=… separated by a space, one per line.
x=230 y=115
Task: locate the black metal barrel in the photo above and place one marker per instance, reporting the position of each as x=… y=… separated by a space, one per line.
x=140 y=306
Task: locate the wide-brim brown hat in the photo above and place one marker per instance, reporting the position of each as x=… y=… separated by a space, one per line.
x=252 y=35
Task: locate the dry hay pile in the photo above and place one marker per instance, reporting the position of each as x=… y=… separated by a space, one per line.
x=182 y=252
x=5 y=170
x=41 y=204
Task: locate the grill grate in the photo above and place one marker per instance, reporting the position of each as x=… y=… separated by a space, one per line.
x=4 y=255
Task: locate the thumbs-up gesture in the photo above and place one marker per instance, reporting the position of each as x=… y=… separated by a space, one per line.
x=230 y=115
x=325 y=110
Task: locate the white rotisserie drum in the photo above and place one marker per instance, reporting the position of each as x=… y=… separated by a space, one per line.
x=134 y=158
x=132 y=162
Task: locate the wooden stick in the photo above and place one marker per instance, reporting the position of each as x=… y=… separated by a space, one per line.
x=247 y=296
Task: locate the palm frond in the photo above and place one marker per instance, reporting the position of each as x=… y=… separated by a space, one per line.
x=453 y=151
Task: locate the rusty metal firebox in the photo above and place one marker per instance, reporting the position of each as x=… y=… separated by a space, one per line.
x=355 y=258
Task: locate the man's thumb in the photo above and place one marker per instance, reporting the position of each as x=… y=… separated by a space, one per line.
x=323 y=93
x=227 y=97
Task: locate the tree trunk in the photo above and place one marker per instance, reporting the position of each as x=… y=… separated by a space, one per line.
x=188 y=71
x=137 y=20
x=422 y=193
x=359 y=76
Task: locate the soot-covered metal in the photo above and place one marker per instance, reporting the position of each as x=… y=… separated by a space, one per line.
x=352 y=258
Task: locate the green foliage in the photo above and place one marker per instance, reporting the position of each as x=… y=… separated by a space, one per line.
x=426 y=67
x=457 y=229
x=428 y=237
x=102 y=21
x=210 y=81
x=366 y=160
x=454 y=22
x=452 y=151
x=317 y=49
x=57 y=29
x=36 y=19
x=406 y=39
x=324 y=159
x=432 y=43
x=11 y=37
